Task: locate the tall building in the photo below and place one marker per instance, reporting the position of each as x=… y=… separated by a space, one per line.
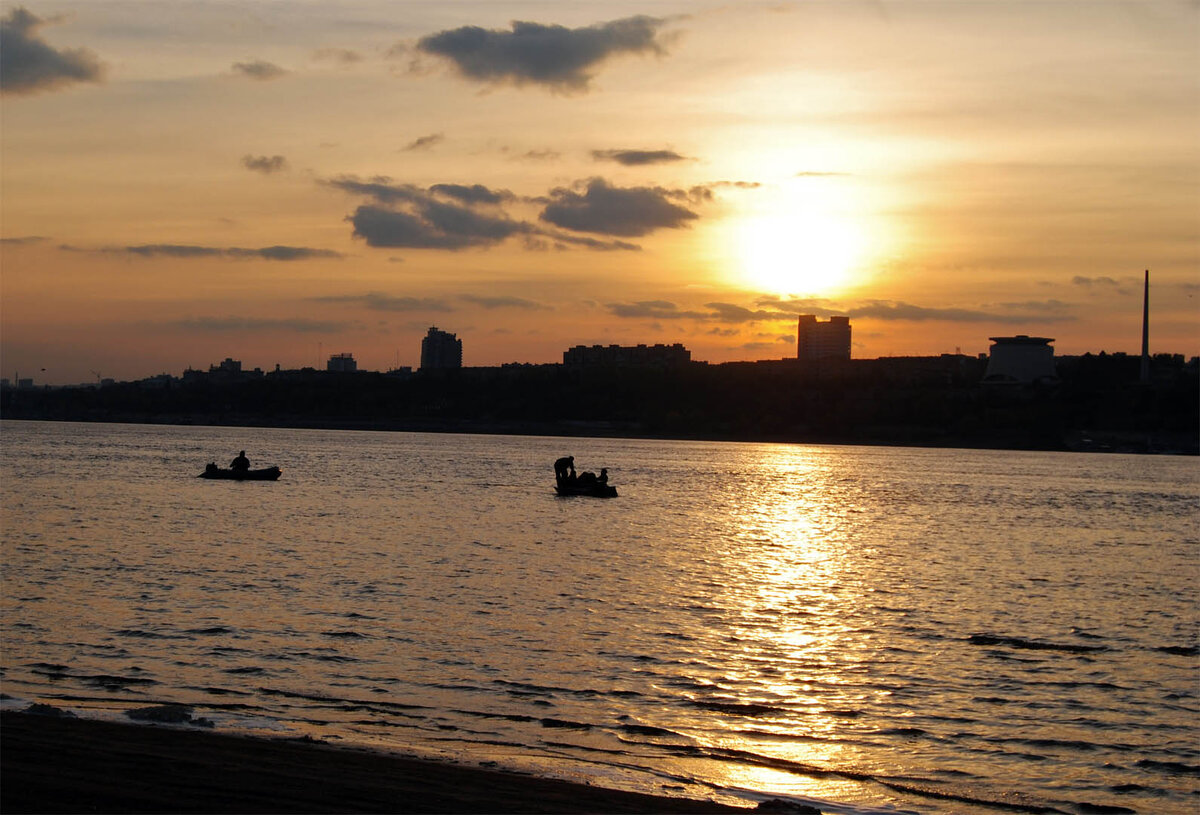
x=440 y=350
x=342 y=363
x=826 y=340
x=1020 y=360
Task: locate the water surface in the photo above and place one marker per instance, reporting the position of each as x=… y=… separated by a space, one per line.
x=863 y=627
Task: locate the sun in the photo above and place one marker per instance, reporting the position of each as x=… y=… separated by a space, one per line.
x=803 y=244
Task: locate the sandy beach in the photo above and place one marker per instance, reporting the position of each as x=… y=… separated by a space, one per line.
x=57 y=764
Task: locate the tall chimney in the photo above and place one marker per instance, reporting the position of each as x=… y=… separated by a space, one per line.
x=1146 y=330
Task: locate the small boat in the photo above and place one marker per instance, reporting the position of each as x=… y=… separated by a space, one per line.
x=595 y=490
x=265 y=474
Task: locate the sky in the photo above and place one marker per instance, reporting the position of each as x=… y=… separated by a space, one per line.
x=278 y=182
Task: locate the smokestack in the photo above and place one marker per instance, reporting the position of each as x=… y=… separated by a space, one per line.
x=1146 y=330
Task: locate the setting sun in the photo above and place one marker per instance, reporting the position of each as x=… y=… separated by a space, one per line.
x=803 y=244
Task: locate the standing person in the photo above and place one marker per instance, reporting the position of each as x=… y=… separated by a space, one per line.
x=564 y=469
x=241 y=462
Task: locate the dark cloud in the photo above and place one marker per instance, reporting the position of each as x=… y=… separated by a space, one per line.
x=637 y=158
x=431 y=225
x=258 y=69
x=730 y=313
x=446 y=216
x=285 y=253
x=384 y=302
x=653 y=310
x=23 y=241
x=29 y=65
x=504 y=302
x=259 y=324
x=882 y=310
x=425 y=142
x=264 y=164
x=551 y=55
x=624 y=211
x=784 y=311
x=473 y=194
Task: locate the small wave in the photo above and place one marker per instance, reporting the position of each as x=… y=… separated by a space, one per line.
x=648 y=730
x=215 y=630
x=1169 y=767
x=112 y=681
x=247 y=669
x=1033 y=645
x=147 y=635
x=752 y=709
x=1180 y=650
x=569 y=725
x=344 y=634
x=1103 y=809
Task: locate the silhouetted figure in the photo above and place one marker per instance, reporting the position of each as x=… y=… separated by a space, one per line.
x=564 y=470
x=587 y=479
x=603 y=476
x=241 y=462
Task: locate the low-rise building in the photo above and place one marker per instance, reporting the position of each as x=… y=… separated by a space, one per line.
x=627 y=355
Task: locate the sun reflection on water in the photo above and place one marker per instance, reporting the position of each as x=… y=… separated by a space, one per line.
x=792 y=611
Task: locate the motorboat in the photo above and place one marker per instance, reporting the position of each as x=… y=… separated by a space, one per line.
x=264 y=474
x=595 y=490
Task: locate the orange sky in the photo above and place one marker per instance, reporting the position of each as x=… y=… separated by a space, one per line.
x=185 y=181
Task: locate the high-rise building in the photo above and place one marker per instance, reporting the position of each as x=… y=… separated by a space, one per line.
x=342 y=363
x=440 y=350
x=830 y=339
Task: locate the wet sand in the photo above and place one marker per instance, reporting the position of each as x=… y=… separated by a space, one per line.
x=52 y=764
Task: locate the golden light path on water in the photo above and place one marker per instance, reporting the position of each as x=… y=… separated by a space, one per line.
x=794 y=581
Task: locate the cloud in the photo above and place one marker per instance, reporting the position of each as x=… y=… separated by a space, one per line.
x=504 y=302
x=431 y=225
x=637 y=158
x=259 y=324
x=1088 y=282
x=258 y=69
x=29 y=65
x=538 y=155
x=283 y=253
x=883 y=310
x=424 y=142
x=342 y=56
x=473 y=194
x=653 y=310
x=23 y=241
x=627 y=211
x=384 y=302
x=560 y=58
x=264 y=164
x=446 y=216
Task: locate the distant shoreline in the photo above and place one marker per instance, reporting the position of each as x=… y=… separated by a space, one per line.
x=68 y=765
x=1128 y=443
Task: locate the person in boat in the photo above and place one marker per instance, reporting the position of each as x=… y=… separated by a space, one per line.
x=240 y=463
x=587 y=479
x=603 y=479
x=564 y=470
x=211 y=467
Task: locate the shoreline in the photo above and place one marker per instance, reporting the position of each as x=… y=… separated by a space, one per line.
x=66 y=764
